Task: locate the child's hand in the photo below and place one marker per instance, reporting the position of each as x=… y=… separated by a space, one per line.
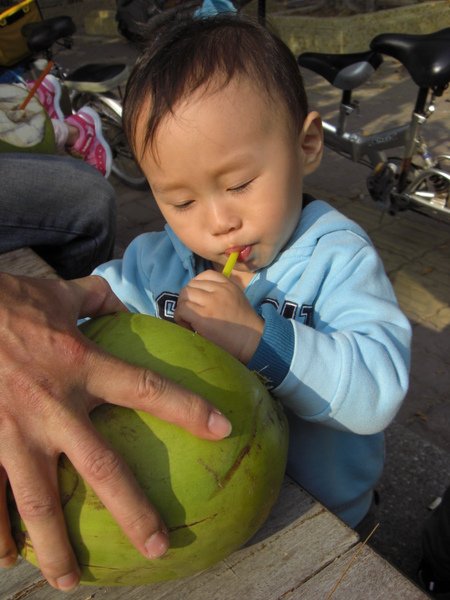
x=218 y=310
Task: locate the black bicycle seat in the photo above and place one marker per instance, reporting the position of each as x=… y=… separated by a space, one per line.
x=426 y=56
x=42 y=35
x=344 y=71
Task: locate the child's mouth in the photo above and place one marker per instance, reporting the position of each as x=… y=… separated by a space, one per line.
x=244 y=252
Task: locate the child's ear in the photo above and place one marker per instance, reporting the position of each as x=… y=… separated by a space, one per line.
x=311 y=141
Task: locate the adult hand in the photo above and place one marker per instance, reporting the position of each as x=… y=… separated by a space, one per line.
x=51 y=378
x=217 y=308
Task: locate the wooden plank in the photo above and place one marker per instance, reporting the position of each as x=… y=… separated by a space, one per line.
x=21 y=581
x=369 y=576
x=25 y=261
x=298 y=540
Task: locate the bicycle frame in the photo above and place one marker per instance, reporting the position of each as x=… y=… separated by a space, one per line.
x=356 y=146
x=370 y=150
x=407 y=177
x=405 y=173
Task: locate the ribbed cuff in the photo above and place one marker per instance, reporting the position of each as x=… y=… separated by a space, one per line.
x=273 y=356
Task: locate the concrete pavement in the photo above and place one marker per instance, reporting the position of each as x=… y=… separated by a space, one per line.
x=416 y=253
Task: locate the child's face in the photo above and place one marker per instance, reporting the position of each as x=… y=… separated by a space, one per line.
x=227 y=172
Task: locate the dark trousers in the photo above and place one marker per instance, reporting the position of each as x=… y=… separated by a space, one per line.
x=61 y=207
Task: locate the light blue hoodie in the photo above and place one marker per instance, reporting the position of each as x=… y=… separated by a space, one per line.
x=335 y=348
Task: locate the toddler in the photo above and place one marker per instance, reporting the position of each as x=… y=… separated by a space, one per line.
x=217 y=116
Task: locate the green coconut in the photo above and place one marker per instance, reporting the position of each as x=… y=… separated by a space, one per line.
x=24 y=130
x=212 y=495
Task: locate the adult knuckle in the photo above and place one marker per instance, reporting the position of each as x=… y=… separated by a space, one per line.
x=73 y=348
x=37 y=507
x=102 y=465
x=151 y=387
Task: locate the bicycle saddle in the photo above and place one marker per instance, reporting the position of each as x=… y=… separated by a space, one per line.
x=42 y=35
x=426 y=57
x=344 y=71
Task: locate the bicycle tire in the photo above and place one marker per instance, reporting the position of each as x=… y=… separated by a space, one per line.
x=123 y=166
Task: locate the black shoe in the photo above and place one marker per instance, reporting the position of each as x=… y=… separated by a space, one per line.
x=436 y=588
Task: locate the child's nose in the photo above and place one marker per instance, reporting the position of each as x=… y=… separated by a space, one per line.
x=223 y=220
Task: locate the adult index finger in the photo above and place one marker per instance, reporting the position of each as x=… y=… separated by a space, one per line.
x=117 y=382
x=120 y=383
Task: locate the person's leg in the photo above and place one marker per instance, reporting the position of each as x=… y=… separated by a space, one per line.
x=80 y=134
x=89 y=142
x=49 y=95
x=435 y=567
x=59 y=206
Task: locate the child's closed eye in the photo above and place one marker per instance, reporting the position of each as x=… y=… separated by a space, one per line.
x=184 y=205
x=242 y=187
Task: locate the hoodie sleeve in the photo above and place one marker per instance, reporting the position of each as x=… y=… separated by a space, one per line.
x=350 y=369
x=129 y=277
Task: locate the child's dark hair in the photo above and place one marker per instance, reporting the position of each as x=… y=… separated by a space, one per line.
x=184 y=54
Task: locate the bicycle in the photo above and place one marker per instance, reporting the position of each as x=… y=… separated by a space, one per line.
x=414 y=179
x=97 y=85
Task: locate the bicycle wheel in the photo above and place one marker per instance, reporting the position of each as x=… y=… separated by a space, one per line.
x=123 y=165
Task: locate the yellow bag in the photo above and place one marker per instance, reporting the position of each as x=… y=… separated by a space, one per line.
x=13 y=47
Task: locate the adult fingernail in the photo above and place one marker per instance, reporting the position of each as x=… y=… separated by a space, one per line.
x=219 y=425
x=68 y=582
x=157 y=544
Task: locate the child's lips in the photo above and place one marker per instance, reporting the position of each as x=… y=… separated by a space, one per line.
x=244 y=252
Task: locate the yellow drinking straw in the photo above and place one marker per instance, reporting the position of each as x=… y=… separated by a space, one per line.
x=229 y=265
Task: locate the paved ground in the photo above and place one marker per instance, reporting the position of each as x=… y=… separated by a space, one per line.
x=416 y=253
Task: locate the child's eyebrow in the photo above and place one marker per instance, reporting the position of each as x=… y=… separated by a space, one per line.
x=162 y=188
x=169 y=187
x=238 y=162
